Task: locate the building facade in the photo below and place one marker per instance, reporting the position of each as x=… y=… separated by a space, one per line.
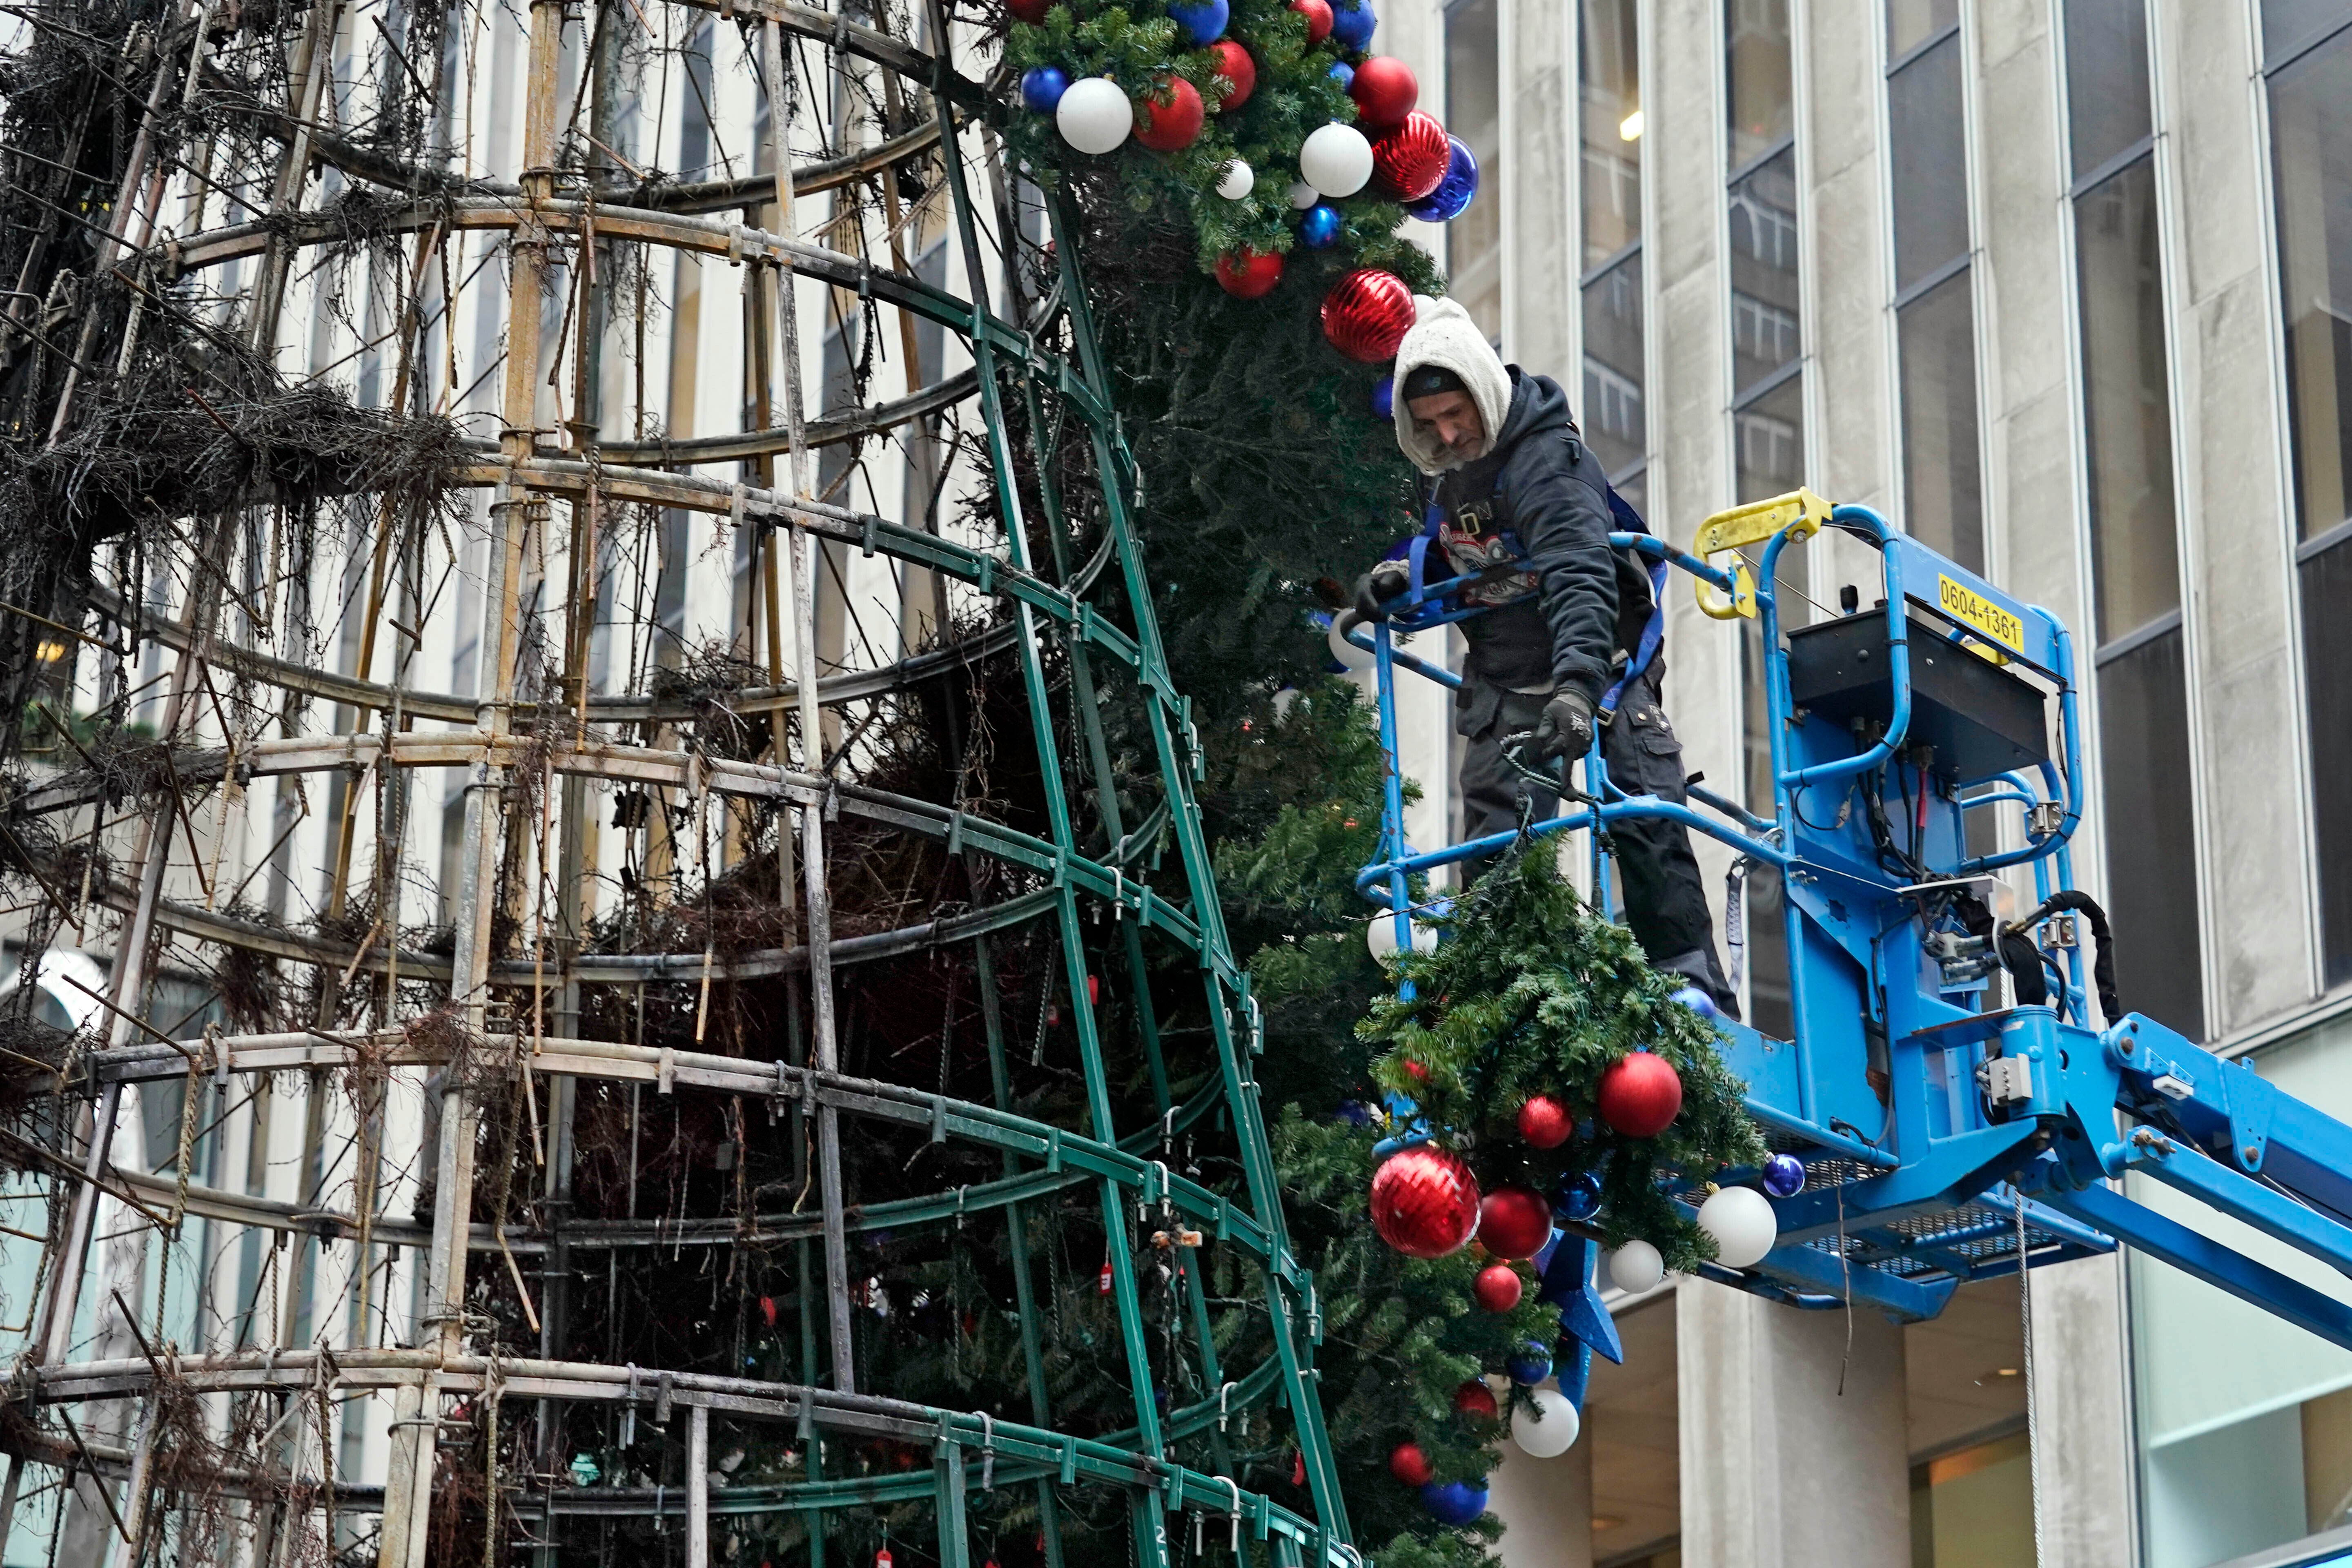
x=2064 y=289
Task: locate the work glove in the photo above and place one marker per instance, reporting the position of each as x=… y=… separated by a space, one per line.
x=1566 y=728
x=1376 y=587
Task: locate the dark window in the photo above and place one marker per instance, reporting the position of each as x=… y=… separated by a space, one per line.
x=1609 y=66
x=2311 y=130
x=1765 y=330
x=2126 y=411
x=1928 y=144
x=1942 y=484
x=1911 y=23
x=1473 y=242
x=2328 y=657
x=2290 y=25
x=1612 y=414
x=2106 y=79
x=2151 y=830
x=1770 y=433
x=1756 y=51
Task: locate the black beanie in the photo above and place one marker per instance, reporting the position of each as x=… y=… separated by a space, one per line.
x=1429 y=380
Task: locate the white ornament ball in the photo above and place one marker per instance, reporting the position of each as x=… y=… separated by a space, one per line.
x=1337 y=160
x=1303 y=196
x=1551 y=1436
x=1354 y=658
x=1742 y=1223
x=1637 y=1267
x=1095 y=115
x=1379 y=936
x=1238 y=181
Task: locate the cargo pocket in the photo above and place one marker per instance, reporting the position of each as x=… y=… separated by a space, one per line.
x=1475 y=705
x=1658 y=751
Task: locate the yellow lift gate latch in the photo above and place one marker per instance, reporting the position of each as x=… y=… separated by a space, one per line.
x=1800 y=513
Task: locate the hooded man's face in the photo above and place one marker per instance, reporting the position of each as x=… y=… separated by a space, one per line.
x=1451 y=419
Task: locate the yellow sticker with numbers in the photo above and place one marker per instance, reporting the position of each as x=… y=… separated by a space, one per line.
x=1973 y=610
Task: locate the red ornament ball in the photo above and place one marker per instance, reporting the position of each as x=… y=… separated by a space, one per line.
x=1249 y=274
x=1030 y=11
x=1384 y=91
x=1514 y=1221
x=1545 y=1122
x=1411 y=160
x=1475 y=1398
x=1319 y=19
x=1235 y=64
x=1415 y=1070
x=1641 y=1095
x=1408 y=1464
x=1498 y=1288
x=1170 y=116
x=1425 y=1201
x=1366 y=314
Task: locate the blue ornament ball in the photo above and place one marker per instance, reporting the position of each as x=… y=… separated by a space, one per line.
x=1453 y=196
x=1784 y=1175
x=1203 y=21
x=1530 y=1366
x=1453 y=1502
x=1384 y=399
x=1356 y=1113
x=1579 y=1195
x=1696 y=1000
x=1318 y=226
x=1351 y=25
x=1042 y=88
x=1343 y=73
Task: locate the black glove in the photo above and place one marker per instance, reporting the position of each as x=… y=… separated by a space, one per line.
x=1566 y=728
x=1377 y=586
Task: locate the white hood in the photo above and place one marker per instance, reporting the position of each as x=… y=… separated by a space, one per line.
x=1445 y=335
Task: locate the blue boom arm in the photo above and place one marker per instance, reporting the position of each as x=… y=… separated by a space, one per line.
x=1935 y=1126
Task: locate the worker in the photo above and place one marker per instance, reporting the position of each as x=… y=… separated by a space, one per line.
x=1521 y=514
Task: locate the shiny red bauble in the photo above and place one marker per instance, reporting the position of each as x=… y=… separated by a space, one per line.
x=1425 y=1201
x=1544 y=1122
x=1168 y=118
x=1030 y=11
x=1410 y=160
x=1498 y=1288
x=1235 y=64
x=1249 y=274
x=1408 y=1464
x=1319 y=19
x=1640 y=1095
x=1514 y=1221
x=1475 y=1398
x=1366 y=314
x=1384 y=91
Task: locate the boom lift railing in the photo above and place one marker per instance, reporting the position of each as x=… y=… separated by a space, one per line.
x=1945 y=1138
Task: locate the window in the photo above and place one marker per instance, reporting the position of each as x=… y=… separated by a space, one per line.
x=2140 y=665
x=2310 y=48
x=1608 y=66
x=1768 y=417
x=1935 y=308
x=1473 y=242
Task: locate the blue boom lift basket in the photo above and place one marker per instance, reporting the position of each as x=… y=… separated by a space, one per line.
x=1943 y=1141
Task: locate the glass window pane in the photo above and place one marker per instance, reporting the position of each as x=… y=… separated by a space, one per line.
x=1942 y=485
x=2106 y=78
x=1770 y=433
x=1473 y=249
x=1910 y=23
x=1613 y=420
x=1931 y=163
x=1756 y=49
x=2151 y=833
x=2286 y=23
x=1609 y=63
x=2126 y=414
x=2311 y=129
x=2327 y=661
x=1764 y=303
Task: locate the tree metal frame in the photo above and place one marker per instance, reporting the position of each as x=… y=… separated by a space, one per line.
x=1054 y=591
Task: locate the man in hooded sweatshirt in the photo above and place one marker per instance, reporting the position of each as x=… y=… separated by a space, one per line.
x=1522 y=508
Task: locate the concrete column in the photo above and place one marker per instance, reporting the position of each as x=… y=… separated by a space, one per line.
x=1845 y=257
x=1543 y=254
x=1780 y=1468
x=1546 y=1507
x=2236 y=528
x=2081 y=1421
